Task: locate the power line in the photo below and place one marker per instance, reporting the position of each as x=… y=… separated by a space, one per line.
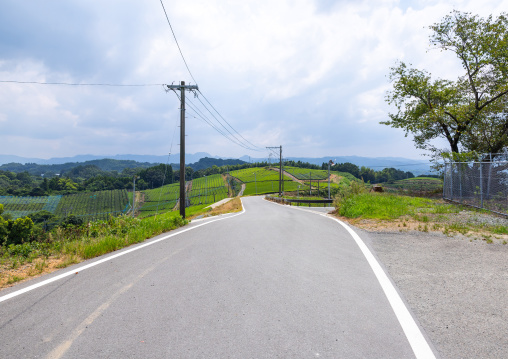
x=77 y=84
x=211 y=113
x=190 y=73
x=204 y=118
x=177 y=44
x=226 y=120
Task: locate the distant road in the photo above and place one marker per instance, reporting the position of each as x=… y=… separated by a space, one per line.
x=273 y=282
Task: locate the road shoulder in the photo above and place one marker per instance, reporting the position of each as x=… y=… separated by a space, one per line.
x=457 y=288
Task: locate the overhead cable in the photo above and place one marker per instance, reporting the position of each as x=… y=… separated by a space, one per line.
x=177 y=44
x=204 y=118
x=78 y=84
x=226 y=120
x=192 y=76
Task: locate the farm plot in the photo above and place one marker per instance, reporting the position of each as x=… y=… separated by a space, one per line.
x=306 y=174
x=159 y=200
x=93 y=205
x=262 y=180
x=208 y=189
x=257 y=174
x=23 y=206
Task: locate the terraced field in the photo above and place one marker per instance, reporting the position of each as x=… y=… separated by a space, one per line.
x=159 y=200
x=257 y=174
x=262 y=180
x=23 y=206
x=93 y=205
x=89 y=204
x=208 y=189
x=306 y=174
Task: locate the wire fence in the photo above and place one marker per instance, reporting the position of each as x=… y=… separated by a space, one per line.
x=478 y=184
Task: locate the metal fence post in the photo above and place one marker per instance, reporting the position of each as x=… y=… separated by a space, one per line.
x=460 y=182
x=481 y=185
x=451 y=181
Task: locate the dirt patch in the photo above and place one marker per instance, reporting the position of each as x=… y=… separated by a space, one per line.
x=10 y=276
x=235 y=205
x=335 y=178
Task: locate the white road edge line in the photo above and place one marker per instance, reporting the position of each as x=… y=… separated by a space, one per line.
x=419 y=344
x=79 y=269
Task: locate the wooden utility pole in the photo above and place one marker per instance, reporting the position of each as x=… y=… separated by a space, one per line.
x=182 y=87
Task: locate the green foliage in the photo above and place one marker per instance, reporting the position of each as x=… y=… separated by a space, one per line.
x=380 y=206
x=19 y=231
x=72 y=220
x=4 y=230
x=469 y=110
x=157 y=176
x=42 y=216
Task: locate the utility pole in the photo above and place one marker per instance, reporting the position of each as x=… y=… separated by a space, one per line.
x=330 y=163
x=280 y=169
x=182 y=87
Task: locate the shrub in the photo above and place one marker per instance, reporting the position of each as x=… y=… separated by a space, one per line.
x=41 y=216
x=20 y=231
x=72 y=220
x=344 y=193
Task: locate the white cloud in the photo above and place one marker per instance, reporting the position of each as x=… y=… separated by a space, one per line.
x=308 y=74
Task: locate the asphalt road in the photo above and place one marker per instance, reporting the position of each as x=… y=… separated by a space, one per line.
x=273 y=282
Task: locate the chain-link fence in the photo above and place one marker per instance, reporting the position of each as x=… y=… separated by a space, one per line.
x=478 y=184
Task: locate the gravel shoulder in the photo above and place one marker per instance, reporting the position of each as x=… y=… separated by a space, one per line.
x=456 y=287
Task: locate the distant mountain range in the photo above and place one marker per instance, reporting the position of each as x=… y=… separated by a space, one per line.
x=417 y=167
x=174 y=158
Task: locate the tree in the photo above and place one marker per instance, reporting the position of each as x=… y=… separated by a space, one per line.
x=20 y=231
x=466 y=110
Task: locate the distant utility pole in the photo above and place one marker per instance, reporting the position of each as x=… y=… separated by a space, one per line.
x=280 y=169
x=182 y=87
x=330 y=163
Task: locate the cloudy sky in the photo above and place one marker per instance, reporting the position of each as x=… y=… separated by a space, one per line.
x=310 y=75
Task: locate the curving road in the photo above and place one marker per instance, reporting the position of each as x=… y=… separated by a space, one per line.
x=273 y=282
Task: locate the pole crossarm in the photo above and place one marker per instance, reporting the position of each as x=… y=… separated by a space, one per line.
x=179 y=87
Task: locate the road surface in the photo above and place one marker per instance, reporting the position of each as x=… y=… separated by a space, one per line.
x=272 y=282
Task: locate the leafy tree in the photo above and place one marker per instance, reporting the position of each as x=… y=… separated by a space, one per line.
x=4 y=231
x=368 y=174
x=158 y=175
x=347 y=167
x=464 y=111
x=20 y=231
x=72 y=220
x=41 y=216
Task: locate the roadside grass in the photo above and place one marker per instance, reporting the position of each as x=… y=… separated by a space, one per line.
x=387 y=211
x=383 y=206
x=75 y=244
